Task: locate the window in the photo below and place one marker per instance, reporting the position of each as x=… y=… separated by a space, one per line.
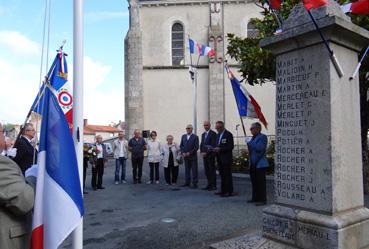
x=177 y=44
x=251 y=31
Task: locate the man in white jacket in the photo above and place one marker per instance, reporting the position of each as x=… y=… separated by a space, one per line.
x=120 y=148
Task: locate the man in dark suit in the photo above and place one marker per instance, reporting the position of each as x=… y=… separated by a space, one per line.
x=208 y=142
x=224 y=148
x=258 y=164
x=189 y=147
x=26 y=154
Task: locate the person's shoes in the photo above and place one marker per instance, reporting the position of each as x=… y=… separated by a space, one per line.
x=194 y=186
x=185 y=185
x=174 y=183
x=260 y=203
x=212 y=188
x=101 y=187
x=218 y=193
x=94 y=188
x=225 y=195
x=85 y=192
x=206 y=188
x=149 y=182
x=139 y=181
x=116 y=182
x=134 y=181
x=157 y=182
x=123 y=181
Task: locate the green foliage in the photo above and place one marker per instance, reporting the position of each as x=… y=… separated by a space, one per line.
x=241 y=165
x=257 y=65
x=240 y=162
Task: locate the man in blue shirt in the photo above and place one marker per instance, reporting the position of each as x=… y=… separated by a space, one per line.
x=258 y=163
x=137 y=146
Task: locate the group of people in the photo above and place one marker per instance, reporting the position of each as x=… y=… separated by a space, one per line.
x=215 y=149
x=18 y=172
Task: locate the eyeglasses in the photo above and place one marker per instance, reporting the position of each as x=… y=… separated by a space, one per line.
x=188 y=128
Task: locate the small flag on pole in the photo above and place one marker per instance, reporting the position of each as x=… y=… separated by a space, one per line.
x=192 y=44
x=205 y=50
x=58 y=203
x=202 y=50
x=246 y=103
x=313 y=4
x=275 y=4
x=360 y=7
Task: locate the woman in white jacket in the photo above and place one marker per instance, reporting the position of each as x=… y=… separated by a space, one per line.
x=171 y=153
x=154 y=157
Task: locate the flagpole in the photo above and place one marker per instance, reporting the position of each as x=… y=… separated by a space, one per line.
x=243 y=127
x=359 y=65
x=331 y=53
x=77 y=236
x=194 y=89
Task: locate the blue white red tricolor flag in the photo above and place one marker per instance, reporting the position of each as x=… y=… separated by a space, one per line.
x=360 y=7
x=58 y=203
x=200 y=49
x=63 y=90
x=246 y=103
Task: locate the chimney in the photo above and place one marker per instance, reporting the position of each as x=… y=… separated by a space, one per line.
x=84 y=122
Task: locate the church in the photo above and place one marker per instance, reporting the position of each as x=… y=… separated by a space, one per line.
x=158 y=87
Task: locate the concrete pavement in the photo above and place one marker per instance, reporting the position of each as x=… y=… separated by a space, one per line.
x=128 y=216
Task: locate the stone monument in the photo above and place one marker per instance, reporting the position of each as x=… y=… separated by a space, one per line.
x=216 y=66
x=318 y=169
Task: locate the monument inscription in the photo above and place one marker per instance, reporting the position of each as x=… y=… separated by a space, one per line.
x=302 y=137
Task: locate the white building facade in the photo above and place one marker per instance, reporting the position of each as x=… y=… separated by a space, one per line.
x=158 y=87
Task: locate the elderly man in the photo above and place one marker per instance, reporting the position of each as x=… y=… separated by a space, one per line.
x=120 y=148
x=224 y=148
x=189 y=147
x=208 y=142
x=258 y=164
x=26 y=154
x=9 y=151
x=137 y=146
x=99 y=164
x=16 y=203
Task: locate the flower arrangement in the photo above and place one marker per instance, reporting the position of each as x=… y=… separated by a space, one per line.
x=90 y=151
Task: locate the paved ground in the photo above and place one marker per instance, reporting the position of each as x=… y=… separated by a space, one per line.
x=128 y=216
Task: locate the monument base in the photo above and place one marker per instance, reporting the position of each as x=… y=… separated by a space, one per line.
x=311 y=230
x=287 y=228
x=250 y=241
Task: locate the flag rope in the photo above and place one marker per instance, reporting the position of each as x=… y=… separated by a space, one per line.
x=359 y=65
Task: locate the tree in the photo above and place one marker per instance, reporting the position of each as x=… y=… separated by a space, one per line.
x=258 y=65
